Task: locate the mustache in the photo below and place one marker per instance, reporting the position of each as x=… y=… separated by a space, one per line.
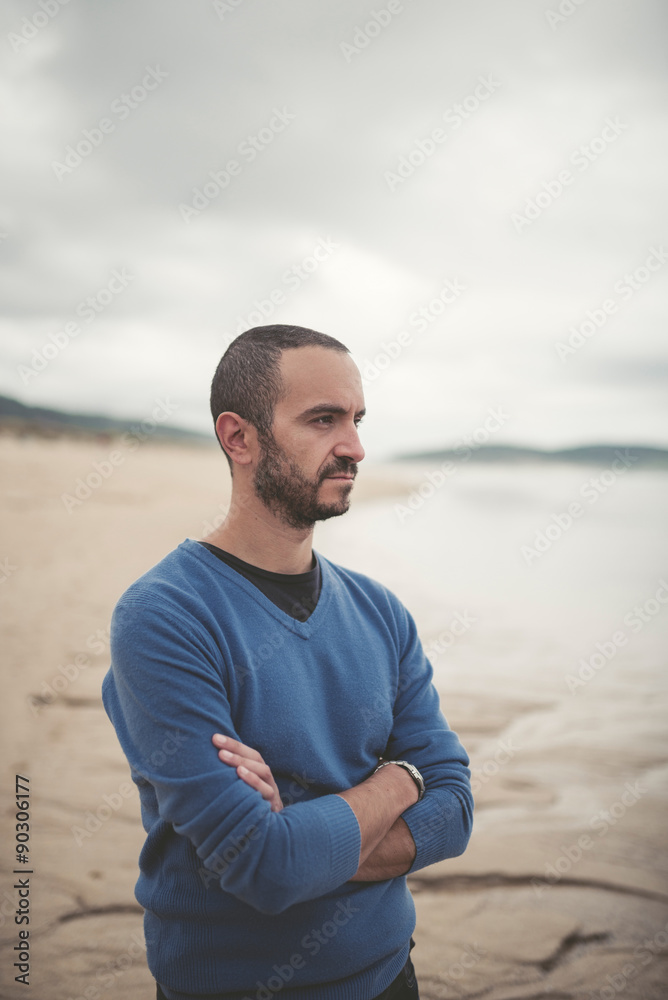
x=342 y=465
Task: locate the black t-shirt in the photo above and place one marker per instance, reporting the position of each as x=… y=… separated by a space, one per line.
x=295 y=593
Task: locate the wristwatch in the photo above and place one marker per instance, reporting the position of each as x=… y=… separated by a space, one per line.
x=412 y=770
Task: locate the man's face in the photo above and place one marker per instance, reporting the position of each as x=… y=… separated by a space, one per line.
x=305 y=472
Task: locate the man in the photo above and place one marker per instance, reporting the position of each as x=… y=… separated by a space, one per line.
x=278 y=715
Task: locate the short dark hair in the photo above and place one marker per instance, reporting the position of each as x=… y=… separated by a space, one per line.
x=248 y=380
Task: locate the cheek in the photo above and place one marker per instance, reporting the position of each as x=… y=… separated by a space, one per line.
x=309 y=451
x=312 y=455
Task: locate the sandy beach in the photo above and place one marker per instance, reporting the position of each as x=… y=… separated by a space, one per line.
x=551 y=666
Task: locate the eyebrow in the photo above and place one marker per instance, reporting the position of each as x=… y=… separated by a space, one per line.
x=321 y=408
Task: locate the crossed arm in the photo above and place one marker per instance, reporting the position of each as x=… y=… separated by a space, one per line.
x=387 y=848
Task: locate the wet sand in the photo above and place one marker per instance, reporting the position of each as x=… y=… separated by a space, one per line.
x=563 y=891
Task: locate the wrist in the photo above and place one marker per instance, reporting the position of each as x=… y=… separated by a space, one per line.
x=411 y=771
x=399 y=783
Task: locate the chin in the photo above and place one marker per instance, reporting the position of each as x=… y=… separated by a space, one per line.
x=335 y=510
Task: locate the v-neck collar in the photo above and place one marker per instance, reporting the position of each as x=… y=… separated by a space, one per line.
x=303 y=629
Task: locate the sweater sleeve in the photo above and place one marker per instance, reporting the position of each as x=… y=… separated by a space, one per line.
x=441 y=823
x=166 y=698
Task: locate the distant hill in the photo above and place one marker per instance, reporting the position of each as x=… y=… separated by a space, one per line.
x=592 y=454
x=17 y=418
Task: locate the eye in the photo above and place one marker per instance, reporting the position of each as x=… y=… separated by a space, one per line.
x=325 y=420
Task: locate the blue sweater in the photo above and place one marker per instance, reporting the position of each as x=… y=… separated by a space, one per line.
x=238 y=899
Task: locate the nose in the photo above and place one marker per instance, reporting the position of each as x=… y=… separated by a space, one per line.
x=350 y=445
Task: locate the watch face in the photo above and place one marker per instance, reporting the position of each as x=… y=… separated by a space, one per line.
x=415 y=775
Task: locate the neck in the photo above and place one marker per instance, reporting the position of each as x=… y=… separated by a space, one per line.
x=253 y=533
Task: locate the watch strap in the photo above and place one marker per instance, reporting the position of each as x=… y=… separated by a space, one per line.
x=412 y=770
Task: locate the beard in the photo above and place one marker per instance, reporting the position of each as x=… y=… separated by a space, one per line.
x=284 y=489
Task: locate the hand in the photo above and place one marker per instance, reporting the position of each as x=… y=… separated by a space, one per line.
x=393 y=856
x=250 y=767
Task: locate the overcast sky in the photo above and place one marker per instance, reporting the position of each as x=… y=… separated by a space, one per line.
x=470 y=194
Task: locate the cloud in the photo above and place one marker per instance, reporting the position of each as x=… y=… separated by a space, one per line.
x=314 y=132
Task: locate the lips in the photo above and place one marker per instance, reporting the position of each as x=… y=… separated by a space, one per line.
x=346 y=474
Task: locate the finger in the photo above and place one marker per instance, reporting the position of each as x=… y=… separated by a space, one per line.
x=267 y=791
x=257 y=766
x=252 y=762
x=235 y=746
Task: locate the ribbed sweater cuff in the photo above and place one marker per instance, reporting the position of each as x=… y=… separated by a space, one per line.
x=436 y=836
x=345 y=837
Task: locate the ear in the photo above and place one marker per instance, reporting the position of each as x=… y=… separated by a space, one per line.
x=237 y=436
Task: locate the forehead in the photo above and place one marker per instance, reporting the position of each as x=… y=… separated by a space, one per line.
x=313 y=375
